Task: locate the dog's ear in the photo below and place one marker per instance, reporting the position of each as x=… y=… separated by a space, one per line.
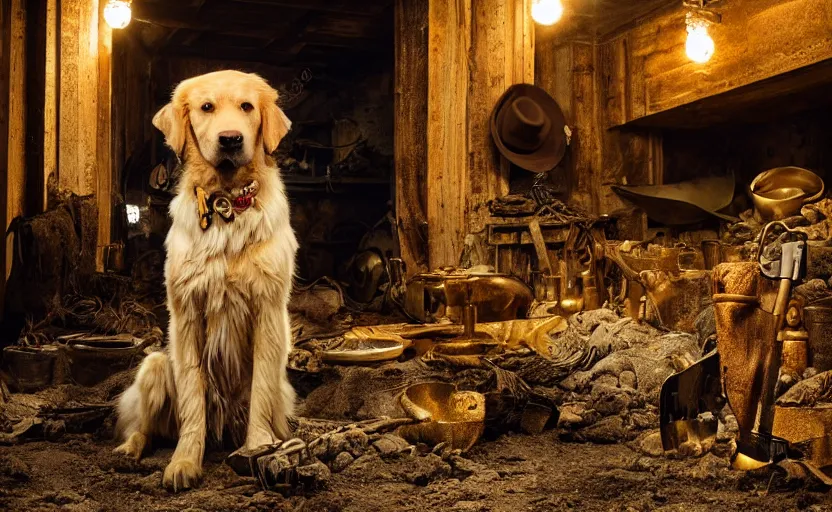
x=171 y=121
x=275 y=123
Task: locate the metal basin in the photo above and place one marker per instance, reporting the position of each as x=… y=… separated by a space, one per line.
x=781 y=192
x=446 y=415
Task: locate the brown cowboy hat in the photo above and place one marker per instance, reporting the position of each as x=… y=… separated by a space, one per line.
x=527 y=127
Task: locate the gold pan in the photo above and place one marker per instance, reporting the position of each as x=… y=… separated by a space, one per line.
x=781 y=192
x=446 y=415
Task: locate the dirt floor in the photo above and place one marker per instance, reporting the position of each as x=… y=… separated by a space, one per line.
x=512 y=473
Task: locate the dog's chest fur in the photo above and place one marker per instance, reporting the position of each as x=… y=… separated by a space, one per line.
x=224 y=276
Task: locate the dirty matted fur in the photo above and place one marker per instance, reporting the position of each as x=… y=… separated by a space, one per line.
x=227 y=287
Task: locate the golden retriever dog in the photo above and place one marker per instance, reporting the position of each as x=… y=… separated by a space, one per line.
x=228 y=272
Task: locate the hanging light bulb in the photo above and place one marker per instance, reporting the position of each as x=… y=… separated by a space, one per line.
x=699 y=46
x=117 y=13
x=547 y=12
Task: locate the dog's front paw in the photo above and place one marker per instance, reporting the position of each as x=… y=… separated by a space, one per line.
x=181 y=475
x=134 y=446
x=259 y=437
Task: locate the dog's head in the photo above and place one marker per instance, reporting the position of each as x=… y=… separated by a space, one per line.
x=231 y=116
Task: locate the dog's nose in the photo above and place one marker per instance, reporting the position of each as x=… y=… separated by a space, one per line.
x=231 y=140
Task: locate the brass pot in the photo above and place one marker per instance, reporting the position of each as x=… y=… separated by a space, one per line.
x=781 y=192
x=445 y=415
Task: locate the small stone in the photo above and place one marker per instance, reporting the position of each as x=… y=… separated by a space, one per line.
x=643 y=419
x=569 y=419
x=314 y=476
x=341 y=462
x=651 y=445
x=612 y=403
x=390 y=444
x=627 y=379
x=608 y=430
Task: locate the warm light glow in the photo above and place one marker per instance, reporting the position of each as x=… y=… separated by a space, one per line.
x=699 y=46
x=117 y=13
x=547 y=12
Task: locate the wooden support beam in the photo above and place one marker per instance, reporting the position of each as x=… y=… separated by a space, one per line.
x=104 y=174
x=476 y=49
x=5 y=72
x=84 y=107
x=50 y=99
x=16 y=160
x=449 y=39
x=411 y=137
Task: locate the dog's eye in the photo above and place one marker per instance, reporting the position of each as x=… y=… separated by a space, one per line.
x=247 y=107
x=207 y=107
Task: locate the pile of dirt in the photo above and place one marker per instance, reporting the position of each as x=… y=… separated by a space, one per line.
x=510 y=473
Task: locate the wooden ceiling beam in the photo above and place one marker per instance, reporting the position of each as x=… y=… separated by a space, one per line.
x=339 y=7
x=225 y=53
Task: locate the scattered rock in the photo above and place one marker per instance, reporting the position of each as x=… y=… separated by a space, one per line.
x=609 y=400
x=341 y=462
x=314 y=476
x=389 y=444
x=608 y=430
x=643 y=419
x=651 y=444
x=627 y=380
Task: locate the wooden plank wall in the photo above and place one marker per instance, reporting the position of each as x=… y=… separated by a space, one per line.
x=608 y=81
x=567 y=72
x=55 y=113
x=411 y=132
x=757 y=39
x=476 y=49
x=449 y=25
x=502 y=54
x=132 y=102
x=84 y=97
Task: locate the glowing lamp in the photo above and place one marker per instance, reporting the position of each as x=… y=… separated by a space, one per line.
x=547 y=12
x=117 y=13
x=699 y=46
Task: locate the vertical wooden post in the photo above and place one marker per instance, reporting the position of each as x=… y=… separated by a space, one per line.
x=103 y=164
x=5 y=69
x=16 y=161
x=449 y=40
x=84 y=137
x=411 y=136
x=477 y=49
x=50 y=98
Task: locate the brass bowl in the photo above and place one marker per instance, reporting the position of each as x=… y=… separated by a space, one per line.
x=446 y=415
x=781 y=192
